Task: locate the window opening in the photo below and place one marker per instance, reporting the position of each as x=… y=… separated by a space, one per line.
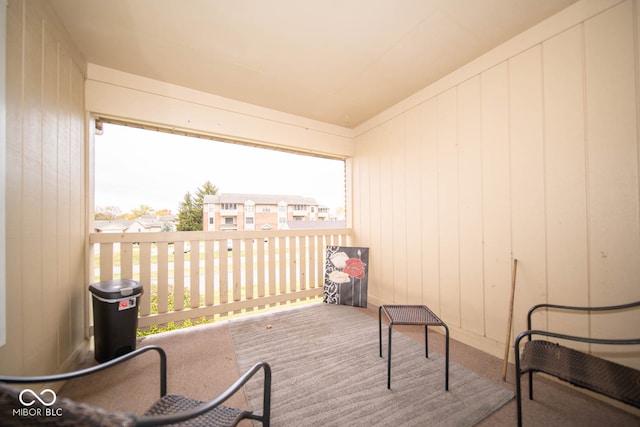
x=141 y=172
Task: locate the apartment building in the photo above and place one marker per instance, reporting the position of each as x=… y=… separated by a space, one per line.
x=222 y=212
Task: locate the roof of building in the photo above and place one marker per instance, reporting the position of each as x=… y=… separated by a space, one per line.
x=259 y=199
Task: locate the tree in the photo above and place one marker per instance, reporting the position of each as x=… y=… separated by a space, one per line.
x=142 y=211
x=107 y=213
x=190 y=213
x=207 y=189
x=187 y=215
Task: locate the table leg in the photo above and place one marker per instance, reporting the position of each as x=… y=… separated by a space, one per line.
x=446 y=381
x=426 y=342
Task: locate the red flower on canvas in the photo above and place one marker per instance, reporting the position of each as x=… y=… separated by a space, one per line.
x=354 y=268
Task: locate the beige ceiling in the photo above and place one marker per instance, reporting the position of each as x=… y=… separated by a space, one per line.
x=337 y=61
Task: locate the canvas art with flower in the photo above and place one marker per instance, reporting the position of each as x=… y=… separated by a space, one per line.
x=346 y=276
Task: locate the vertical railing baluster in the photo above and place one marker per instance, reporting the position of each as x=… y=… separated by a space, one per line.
x=162 y=266
x=209 y=273
x=261 y=264
x=248 y=268
x=303 y=263
x=145 y=278
x=236 y=270
x=106 y=261
x=313 y=249
x=126 y=261
x=178 y=276
x=282 y=270
x=194 y=273
x=293 y=264
x=272 y=266
x=223 y=258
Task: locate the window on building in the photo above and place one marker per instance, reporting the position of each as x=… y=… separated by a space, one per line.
x=249 y=220
x=210 y=221
x=228 y=221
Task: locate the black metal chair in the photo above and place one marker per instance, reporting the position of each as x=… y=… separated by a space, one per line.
x=20 y=408
x=576 y=367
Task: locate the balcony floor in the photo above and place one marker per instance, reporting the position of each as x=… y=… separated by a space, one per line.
x=201 y=363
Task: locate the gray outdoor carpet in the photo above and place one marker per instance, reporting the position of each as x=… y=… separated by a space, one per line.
x=327 y=372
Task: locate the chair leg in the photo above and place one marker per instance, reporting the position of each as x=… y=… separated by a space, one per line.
x=518 y=394
x=389 y=357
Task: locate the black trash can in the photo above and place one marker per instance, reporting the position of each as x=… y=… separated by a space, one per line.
x=115 y=317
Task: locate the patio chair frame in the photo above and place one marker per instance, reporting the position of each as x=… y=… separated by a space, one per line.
x=581 y=369
x=195 y=408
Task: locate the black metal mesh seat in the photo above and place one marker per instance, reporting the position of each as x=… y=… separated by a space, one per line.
x=218 y=416
x=419 y=315
x=583 y=370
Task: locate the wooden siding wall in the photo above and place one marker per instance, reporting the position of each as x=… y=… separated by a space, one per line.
x=45 y=194
x=529 y=152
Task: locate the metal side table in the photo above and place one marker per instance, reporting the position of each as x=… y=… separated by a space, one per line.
x=412 y=315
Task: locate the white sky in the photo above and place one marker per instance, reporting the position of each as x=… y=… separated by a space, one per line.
x=136 y=167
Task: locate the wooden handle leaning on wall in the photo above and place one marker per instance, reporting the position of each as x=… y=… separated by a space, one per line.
x=507 y=340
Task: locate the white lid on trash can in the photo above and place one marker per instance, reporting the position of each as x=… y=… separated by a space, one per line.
x=114 y=289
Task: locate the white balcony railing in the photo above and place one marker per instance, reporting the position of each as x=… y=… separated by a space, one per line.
x=214 y=273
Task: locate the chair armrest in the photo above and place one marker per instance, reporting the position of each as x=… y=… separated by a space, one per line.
x=97 y=368
x=156 y=420
x=616 y=341
x=575 y=308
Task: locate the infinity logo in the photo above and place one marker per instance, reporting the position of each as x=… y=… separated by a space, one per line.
x=36 y=397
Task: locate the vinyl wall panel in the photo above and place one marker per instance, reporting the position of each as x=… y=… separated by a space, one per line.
x=374 y=211
x=11 y=355
x=448 y=206
x=429 y=205
x=413 y=223
x=399 y=211
x=496 y=197
x=612 y=155
x=64 y=206
x=527 y=192
x=387 y=143
x=565 y=178
x=470 y=202
x=32 y=188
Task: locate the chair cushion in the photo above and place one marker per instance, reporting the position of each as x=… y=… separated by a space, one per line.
x=219 y=416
